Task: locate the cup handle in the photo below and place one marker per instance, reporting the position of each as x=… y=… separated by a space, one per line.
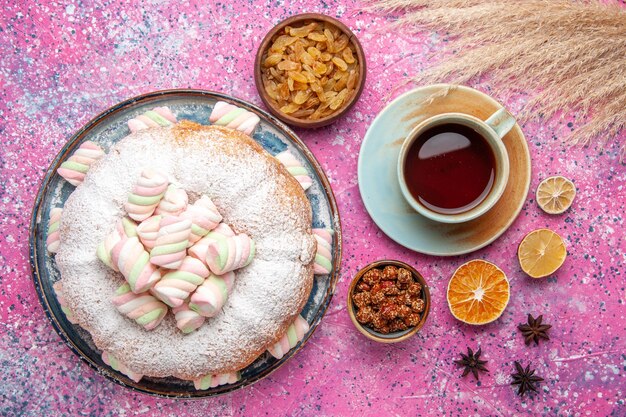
x=501 y=122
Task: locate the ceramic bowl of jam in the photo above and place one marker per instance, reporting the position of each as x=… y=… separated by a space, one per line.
x=388 y=301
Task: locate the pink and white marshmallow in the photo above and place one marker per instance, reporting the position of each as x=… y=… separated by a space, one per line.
x=148 y=231
x=234 y=117
x=210 y=297
x=134 y=263
x=114 y=363
x=323 y=257
x=146 y=195
x=159 y=116
x=77 y=165
x=53 y=240
x=200 y=249
x=295 y=168
x=170 y=247
x=231 y=253
x=125 y=228
x=212 y=381
x=204 y=217
x=144 y=308
x=174 y=202
x=176 y=286
x=187 y=320
x=295 y=333
x=58 y=290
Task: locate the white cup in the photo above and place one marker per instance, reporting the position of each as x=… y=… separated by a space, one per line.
x=492 y=130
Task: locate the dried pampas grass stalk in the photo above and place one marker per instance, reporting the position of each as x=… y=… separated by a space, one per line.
x=571 y=55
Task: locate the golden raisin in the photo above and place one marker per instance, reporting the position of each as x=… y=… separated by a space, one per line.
x=288 y=66
x=317 y=37
x=347 y=56
x=303 y=31
x=310 y=70
x=341 y=64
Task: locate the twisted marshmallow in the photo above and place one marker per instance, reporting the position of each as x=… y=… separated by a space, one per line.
x=295 y=333
x=174 y=201
x=134 y=263
x=114 y=363
x=234 y=117
x=170 y=247
x=229 y=254
x=125 y=228
x=58 y=290
x=211 y=296
x=159 y=116
x=148 y=231
x=201 y=248
x=324 y=257
x=77 y=165
x=295 y=168
x=53 y=241
x=187 y=320
x=144 y=308
x=204 y=218
x=212 y=381
x=175 y=286
x=146 y=195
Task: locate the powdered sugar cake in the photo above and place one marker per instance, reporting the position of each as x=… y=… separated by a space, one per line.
x=254 y=193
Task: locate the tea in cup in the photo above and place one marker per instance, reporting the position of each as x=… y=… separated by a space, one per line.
x=453 y=167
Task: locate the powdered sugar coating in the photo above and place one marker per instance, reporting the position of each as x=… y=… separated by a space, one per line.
x=255 y=195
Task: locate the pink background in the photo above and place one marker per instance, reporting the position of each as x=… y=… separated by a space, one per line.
x=62 y=65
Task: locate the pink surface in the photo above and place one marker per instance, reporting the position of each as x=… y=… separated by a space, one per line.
x=63 y=64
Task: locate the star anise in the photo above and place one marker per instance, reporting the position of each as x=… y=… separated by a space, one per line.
x=472 y=363
x=534 y=330
x=525 y=378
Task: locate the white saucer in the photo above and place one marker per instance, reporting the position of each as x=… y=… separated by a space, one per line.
x=378 y=181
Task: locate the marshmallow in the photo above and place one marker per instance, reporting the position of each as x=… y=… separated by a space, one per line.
x=187 y=320
x=295 y=333
x=234 y=117
x=170 y=247
x=125 y=228
x=134 y=263
x=323 y=257
x=295 y=168
x=144 y=308
x=159 y=116
x=148 y=231
x=212 y=381
x=146 y=195
x=174 y=201
x=58 y=290
x=210 y=297
x=53 y=241
x=77 y=165
x=114 y=363
x=176 y=286
x=204 y=217
x=231 y=253
x=200 y=249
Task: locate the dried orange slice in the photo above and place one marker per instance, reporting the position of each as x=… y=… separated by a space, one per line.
x=541 y=253
x=555 y=194
x=478 y=292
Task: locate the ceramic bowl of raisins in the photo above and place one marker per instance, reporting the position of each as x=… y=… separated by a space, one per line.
x=309 y=70
x=388 y=301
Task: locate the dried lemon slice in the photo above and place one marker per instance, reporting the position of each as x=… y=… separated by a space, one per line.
x=478 y=292
x=555 y=194
x=541 y=253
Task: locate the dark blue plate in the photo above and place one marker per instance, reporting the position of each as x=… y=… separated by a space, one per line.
x=110 y=127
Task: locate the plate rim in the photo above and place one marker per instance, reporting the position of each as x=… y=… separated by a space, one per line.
x=76 y=138
x=360 y=163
